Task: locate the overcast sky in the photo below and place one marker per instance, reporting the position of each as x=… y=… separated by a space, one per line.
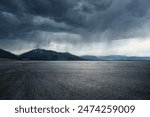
x=82 y=27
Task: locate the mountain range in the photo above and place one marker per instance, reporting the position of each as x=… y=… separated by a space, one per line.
x=49 y=55
x=114 y=58
x=40 y=54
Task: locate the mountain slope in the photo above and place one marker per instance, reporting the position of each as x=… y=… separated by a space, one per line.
x=41 y=54
x=7 y=55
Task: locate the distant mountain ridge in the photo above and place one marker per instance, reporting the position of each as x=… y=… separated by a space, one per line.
x=113 y=57
x=49 y=55
x=41 y=54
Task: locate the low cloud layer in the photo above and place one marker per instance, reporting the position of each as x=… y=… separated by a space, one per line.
x=75 y=25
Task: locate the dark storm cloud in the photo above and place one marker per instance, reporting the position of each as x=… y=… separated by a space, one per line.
x=17 y=15
x=112 y=19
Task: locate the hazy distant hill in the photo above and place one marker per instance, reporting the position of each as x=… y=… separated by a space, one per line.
x=114 y=57
x=7 y=55
x=41 y=54
x=90 y=57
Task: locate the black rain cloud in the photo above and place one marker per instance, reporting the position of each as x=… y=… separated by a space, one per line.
x=93 y=20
